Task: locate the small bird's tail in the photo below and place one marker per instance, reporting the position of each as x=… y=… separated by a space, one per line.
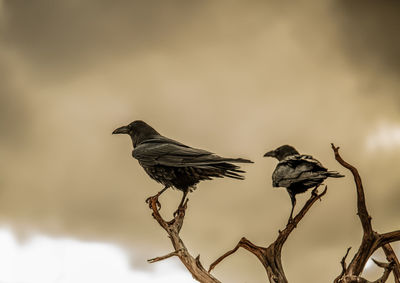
x=334 y=174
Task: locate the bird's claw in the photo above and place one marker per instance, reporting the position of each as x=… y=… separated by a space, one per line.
x=149 y=200
x=314 y=193
x=179 y=210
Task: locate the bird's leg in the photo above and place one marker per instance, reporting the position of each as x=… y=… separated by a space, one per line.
x=182 y=204
x=183 y=198
x=157 y=196
x=293 y=199
x=163 y=190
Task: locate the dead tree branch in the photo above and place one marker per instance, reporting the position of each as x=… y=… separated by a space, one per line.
x=343 y=264
x=173 y=228
x=245 y=244
x=391 y=257
x=270 y=257
x=371 y=240
x=388 y=267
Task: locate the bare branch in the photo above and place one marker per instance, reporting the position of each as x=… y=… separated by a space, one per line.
x=389 y=237
x=371 y=240
x=271 y=257
x=153 y=260
x=173 y=228
x=391 y=257
x=283 y=235
x=245 y=244
x=367 y=246
x=388 y=268
x=343 y=261
x=362 y=208
x=343 y=264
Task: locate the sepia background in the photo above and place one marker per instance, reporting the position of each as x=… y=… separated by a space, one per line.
x=238 y=78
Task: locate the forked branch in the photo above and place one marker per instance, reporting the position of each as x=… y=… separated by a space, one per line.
x=371 y=240
x=173 y=228
x=270 y=257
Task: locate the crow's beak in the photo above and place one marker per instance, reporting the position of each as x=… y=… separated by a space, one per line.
x=270 y=154
x=121 y=130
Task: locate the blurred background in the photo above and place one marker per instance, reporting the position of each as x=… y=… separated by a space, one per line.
x=238 y=78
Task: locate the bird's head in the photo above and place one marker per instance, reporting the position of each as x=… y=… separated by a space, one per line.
x=282 y=152
x=138 y=131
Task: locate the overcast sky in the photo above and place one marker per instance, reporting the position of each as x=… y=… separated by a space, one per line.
x=238 y=78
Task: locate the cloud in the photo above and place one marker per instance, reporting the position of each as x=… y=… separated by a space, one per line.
x=368 y=33
x=14 y=110
x=385 y=136
x=46 y=260
x=64 y=37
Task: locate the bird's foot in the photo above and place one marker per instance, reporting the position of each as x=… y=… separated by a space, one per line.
x=149 y=201
x=178 y=211
x=314 y=193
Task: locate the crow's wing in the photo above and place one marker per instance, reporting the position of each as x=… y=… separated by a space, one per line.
x=167 y=152
x=298 y=169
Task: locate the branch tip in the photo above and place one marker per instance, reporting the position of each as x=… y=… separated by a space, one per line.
x=174 y=253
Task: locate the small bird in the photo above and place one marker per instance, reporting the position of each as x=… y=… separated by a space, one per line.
x=174 y=164
x=297 y=172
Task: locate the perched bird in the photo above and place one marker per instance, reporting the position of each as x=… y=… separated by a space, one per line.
x=297 y=172
x=174 y=164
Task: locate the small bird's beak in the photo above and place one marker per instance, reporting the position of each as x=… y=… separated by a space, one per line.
x=270 y=154
x=121 y=130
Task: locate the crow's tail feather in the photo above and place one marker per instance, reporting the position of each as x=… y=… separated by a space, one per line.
x=234 y=175
x=230 y=170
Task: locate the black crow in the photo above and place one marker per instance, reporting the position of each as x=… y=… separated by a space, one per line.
x=174 y=164
x=297 y=172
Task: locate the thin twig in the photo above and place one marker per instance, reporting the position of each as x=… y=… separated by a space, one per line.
x=388 y=267
x=243 y=243
x=174 y=253
x=343 y=264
